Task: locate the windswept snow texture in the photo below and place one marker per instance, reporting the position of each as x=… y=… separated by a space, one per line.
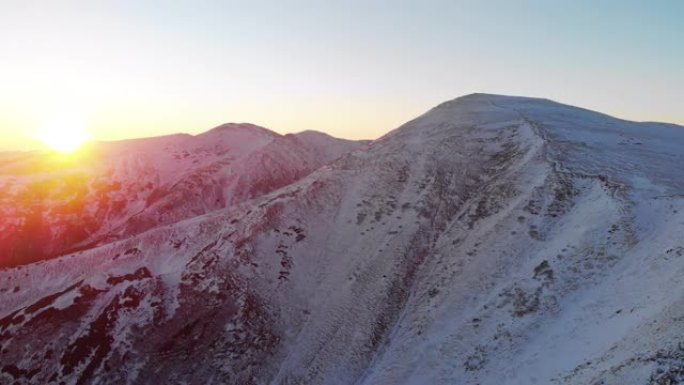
x=493 y=240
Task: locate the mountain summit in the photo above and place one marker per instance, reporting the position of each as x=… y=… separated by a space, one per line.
x=492 y=240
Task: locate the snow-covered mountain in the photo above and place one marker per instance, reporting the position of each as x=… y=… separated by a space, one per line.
x=493 y=240
x=123 y=188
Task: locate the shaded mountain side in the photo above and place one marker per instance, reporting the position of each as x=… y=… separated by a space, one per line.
x=492 y=240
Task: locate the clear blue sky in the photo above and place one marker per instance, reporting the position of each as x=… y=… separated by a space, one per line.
x=354 y=69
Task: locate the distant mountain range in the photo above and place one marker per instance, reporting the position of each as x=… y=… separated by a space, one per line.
x=492 y=240
x=124 y=188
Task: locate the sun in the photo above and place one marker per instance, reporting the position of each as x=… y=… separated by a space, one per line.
x=63 y=133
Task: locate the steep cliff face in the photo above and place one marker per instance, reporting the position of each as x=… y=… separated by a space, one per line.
x=492 y=240
x=52 y=206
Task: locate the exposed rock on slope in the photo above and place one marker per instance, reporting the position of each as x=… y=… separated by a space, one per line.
x=493 y=240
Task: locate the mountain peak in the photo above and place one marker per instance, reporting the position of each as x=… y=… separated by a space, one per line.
x=481 y=97
x=243 y=127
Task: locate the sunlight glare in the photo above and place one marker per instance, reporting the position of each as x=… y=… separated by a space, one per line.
x=63 y=133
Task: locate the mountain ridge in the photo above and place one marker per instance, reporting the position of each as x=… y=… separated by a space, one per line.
x=474 y=244
x=126 y=187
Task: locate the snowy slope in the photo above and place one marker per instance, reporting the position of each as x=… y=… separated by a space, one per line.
x=493 y=240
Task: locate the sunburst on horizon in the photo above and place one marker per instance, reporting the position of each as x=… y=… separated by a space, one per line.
x=63 y=133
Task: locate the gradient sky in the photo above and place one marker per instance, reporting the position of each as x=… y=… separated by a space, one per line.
x=354 y=69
